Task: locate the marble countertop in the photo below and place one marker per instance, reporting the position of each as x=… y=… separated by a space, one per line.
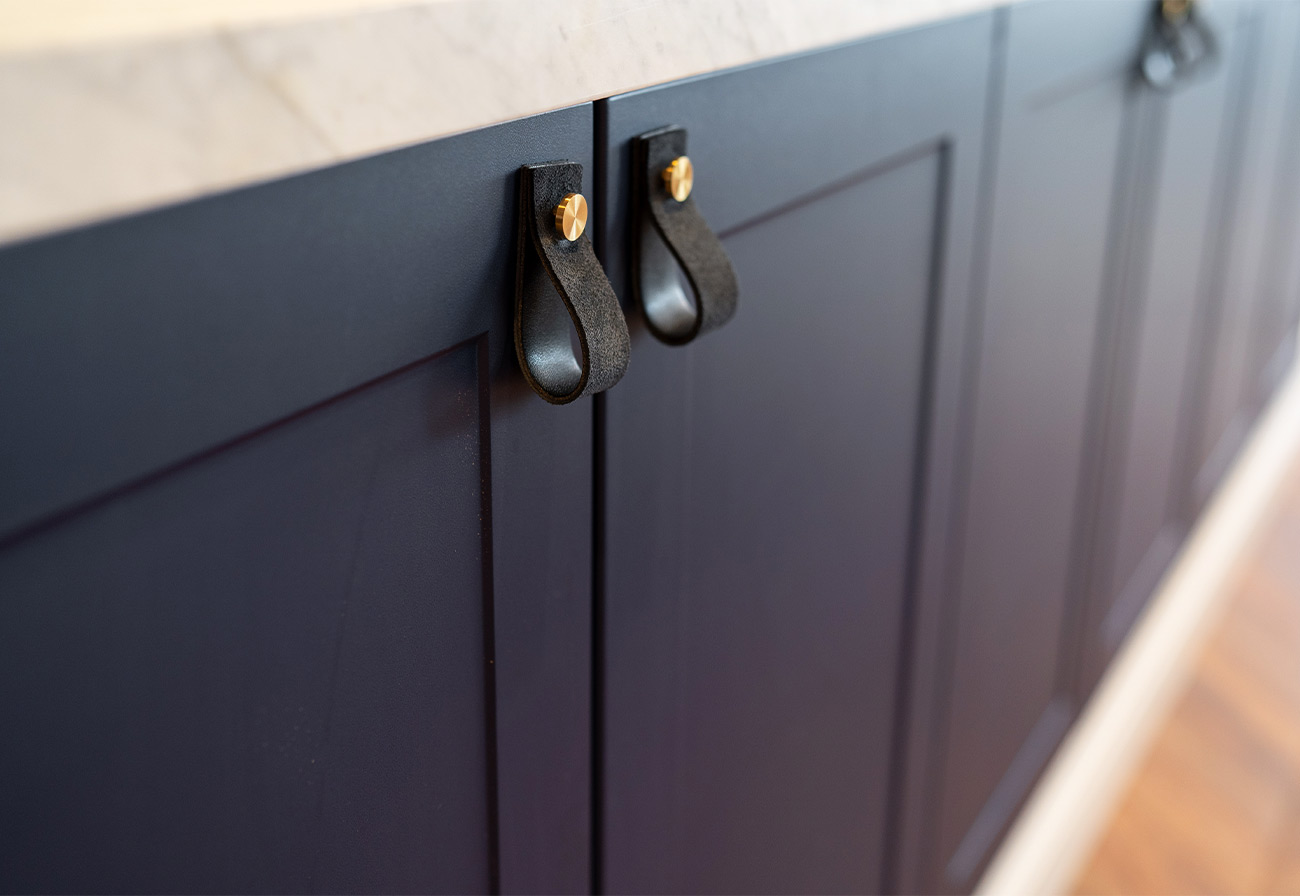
x=114 y=107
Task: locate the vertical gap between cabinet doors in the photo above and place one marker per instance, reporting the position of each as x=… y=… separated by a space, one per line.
x=489 y=613
x=896 y=788
x=600 y=175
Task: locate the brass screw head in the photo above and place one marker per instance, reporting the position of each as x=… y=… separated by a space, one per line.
x=1174 y=11
x=571 y=216
x=679 y=177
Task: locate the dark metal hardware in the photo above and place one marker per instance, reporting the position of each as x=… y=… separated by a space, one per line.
x=555 y=256
x=1178 y=44
x=671 y=234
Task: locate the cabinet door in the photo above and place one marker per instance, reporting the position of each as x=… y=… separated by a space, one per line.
x=1234 y=362
x=1182 y=180
x=760 y=485
x=1005 y=580
x=1278 y=283
x=295 y=568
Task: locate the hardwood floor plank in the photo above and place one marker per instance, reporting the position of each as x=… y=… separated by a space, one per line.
x=1215 y=806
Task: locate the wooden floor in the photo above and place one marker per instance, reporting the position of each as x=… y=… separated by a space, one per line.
x=1215 y=806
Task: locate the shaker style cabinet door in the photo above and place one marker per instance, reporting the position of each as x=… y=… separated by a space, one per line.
x=1236 y=358
x=294 y=567
x=1277 y=314
x=761 y=484
x=1002 y=576
x=1182 y=180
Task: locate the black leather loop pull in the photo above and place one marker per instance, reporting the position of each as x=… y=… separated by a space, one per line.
x=549 y=264
x=1178 y=44
x=671 y=234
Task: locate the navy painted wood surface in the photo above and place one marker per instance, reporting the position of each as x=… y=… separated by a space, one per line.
x=1064 y=125
x=1286 y=278
x=296 y=573
x=1277 y=312
x=1236 y=360
x=1181 y=179
x=295 y=569
x=761 y=485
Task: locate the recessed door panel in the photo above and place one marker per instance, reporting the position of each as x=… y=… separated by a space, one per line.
x=295 y=567
x=1235 y=358
x=1065 y=124
x=761 y=486
x=755 y=568
x=1172 y=268
x=267 y=670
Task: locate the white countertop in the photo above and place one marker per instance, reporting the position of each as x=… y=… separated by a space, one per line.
x=113 y=106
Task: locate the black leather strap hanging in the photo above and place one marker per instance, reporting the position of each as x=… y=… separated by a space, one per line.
x=549 y=263
x=670 y=234
x=1178 y=44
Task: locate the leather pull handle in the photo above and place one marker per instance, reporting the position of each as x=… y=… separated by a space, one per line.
x=1178 y=44
x=555 y=256
x=671 y=234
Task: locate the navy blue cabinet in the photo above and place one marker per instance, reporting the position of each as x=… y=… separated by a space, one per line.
x=294 y=569
x=1134 y=315
x=303 y=589
x=761 y=485
x=1279 y=313
x=1003 y=580
x=1247 y=319
x=1203 y=327
x=1277 y=282
x=1165 y=285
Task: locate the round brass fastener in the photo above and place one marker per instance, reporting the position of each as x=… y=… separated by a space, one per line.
x=679 y=177
x=571 y=216
x=1174 y=11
